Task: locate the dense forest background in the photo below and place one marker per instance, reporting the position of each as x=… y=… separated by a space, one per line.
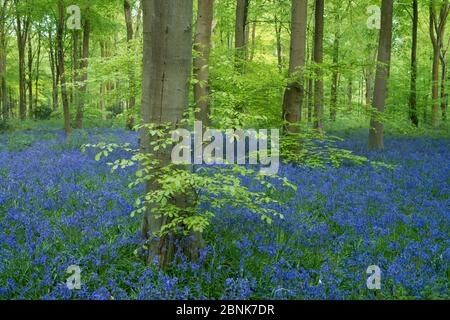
x=98 y=75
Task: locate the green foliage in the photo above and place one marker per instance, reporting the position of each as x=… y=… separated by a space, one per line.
x=75 y=141
x=43 y=112
x=206 y=189
x=19 y=142
x=250 y=99
x=4 y=125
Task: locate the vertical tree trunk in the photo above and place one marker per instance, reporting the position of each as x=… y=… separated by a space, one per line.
x=22 y=28
x=3 y=87
x=54 y=69
x=131 y=102
x=295 y=91
x=60 y=48
x=376 y=141
x=318 y=61
x=76 y=68
x=84 y=74
x=444 y=94
x=413 y=89
x=201 y=62
x=437 y=31
x=166 y=71
x=240 y=28
x=30 y=75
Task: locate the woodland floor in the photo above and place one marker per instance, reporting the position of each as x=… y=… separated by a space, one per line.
x=59 y=207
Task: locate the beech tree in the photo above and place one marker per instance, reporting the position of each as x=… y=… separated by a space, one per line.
x=376 y=134
x=166 y=71
x=295 y=93
x=202 y=46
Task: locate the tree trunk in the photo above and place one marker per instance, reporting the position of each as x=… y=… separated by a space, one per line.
x=76 y=69
x=376 y=141
x=60 y=48
x=84 y=74
x=54 y=69
x=201 y=63
x=444 y=94
x=318 y=61
x=30 y=76
x=3 y=87
x=166 y=71
x=295 y=91
x=413 y=88
x=437 y=31
x=132 y=99
x=22 y=28
x=240 y=30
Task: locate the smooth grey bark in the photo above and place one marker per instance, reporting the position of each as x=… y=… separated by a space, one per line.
x=376 y=132
x=294 y=95
x=202 y=46
x=167 y=66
